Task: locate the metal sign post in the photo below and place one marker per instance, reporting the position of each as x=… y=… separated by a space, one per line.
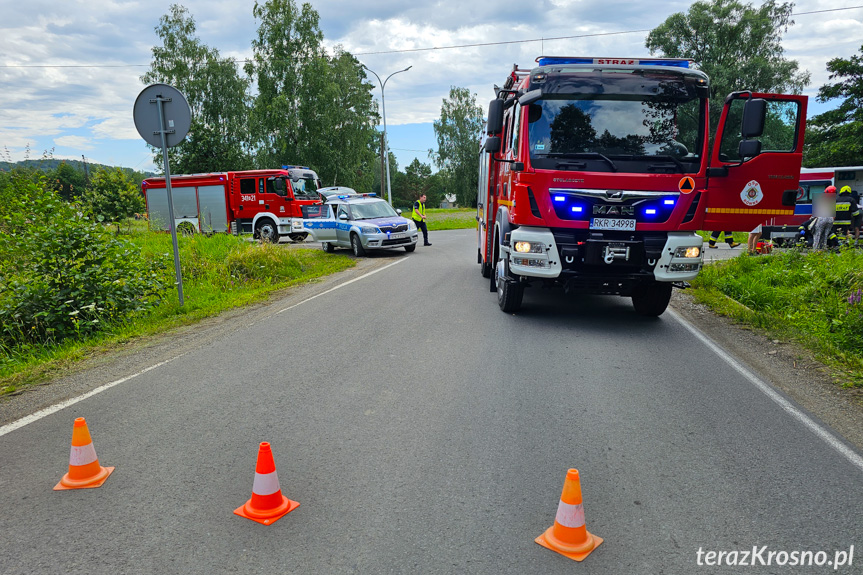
x=164 y=129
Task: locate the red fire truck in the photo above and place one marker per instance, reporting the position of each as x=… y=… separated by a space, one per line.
x=596 y=173
x=268 y=203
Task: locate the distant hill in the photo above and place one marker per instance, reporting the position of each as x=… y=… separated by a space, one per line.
x=50 y=164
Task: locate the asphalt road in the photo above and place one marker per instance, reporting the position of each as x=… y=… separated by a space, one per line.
x=424 y=431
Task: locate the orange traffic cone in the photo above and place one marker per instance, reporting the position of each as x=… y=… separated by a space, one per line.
x=569 y=536
x=84 y=469
x=267 y=504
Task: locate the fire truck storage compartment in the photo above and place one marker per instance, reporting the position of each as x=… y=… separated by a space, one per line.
x=211 y=199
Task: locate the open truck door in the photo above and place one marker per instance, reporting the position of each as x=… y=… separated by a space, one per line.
x=755 y=162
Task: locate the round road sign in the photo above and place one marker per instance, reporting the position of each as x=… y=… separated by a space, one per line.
x=175 y=109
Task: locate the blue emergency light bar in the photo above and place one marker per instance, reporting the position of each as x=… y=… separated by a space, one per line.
x=557 y=60
x=296 y=168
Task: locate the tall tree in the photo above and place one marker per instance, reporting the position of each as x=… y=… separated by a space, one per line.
x=737 y=45
x=835 y=137
x=68 y=181
x=286 y=56
x=458 y=137
x=218 y=97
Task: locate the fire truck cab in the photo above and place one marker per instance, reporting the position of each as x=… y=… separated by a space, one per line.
x=595 y=174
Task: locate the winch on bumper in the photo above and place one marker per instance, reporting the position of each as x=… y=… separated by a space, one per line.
x=597 y=258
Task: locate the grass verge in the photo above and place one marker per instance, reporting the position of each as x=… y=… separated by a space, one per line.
x=219 y=272
x=814 y=298
x=450 y=219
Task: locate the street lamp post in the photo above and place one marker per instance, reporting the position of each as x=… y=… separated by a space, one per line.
x=386 y=158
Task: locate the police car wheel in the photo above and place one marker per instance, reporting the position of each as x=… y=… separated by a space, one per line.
x=410 y=248
x=357 y=246
x=328 y=247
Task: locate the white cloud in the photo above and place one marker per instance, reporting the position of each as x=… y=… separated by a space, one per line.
x=79 y=142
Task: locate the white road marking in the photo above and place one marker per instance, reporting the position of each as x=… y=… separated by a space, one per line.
x=10 y=427
x=767 y=390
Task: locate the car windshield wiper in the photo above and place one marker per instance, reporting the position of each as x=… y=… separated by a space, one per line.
x=577 y=155
x=672 y=159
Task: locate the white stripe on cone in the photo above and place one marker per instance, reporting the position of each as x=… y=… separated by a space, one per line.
x=570 y=515
x=82 y=455
x=266 y=483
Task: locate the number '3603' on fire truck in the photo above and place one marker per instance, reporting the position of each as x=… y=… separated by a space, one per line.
x=597 y=172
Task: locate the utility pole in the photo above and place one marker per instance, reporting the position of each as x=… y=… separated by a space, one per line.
x=383 y=159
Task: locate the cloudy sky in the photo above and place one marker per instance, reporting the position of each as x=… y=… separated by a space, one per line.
x=69 y=71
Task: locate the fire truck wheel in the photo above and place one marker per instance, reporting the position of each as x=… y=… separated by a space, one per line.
x=328 y=247
x=357 y=246
x=652 y=299
x=266 y=231
x=411 y=248
x=509 y=293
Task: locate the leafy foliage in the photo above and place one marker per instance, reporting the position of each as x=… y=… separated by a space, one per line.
x=814 y=296
x=112 y=197
x=458 y=137
x=311 y=108
x=737 y=45
x=61 y=274
x=217 y=94
x=835 y=138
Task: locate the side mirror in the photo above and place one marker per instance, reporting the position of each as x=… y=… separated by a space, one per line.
x=530 y=97
x=343 y=217
x=495 y=117
x=749 y=148
x=398 y=211
x=492 y=145
x=754 y=113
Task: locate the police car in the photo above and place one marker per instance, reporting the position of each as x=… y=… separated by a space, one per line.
x=360 y=222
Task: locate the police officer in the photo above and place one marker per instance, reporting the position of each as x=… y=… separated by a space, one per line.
x=419 y=216
x=846 y=211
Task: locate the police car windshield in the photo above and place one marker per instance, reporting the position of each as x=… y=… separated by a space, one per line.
x=305 y=189
x=371 y=210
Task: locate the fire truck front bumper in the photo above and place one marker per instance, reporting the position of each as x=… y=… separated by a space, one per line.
x=671 y=257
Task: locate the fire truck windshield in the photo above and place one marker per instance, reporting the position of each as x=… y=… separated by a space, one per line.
x=306 y=189
x=618 y=132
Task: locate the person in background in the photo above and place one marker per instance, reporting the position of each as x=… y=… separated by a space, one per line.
x=847 y=212
x=419 y=217
x=714 y=237
x=752 y=242
x=825 y=210
x=858 y=221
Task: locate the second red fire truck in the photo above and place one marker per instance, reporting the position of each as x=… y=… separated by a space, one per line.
x=596 y=173
x=267 y=203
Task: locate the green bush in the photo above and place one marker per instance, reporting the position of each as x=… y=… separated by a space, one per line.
x=63 y=275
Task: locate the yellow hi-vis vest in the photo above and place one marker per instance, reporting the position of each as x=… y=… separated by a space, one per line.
x=418 y=213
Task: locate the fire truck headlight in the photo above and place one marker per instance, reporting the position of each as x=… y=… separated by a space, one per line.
x=692 y=252
x=530 y=247
x=370 y=230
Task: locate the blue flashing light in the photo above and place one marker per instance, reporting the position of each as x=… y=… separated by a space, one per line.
x=577 y=209
x=668 y=202
x=556 y=61
x=343 y=197
x=372 y=195
x=559 y=198
x=650 y=212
